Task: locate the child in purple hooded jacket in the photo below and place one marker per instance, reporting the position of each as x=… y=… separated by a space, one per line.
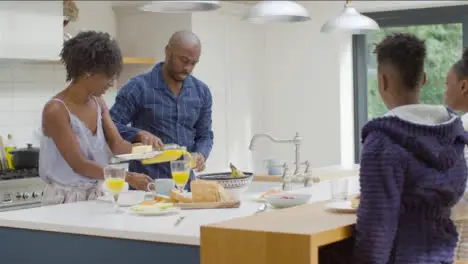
x=413 y=170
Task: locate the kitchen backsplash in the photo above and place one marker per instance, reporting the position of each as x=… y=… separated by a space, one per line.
x=24 y=89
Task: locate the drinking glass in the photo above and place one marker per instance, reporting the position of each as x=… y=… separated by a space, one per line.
x=339 y=189
x=115 y=181
x=180 y=173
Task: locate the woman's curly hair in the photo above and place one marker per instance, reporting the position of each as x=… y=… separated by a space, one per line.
x=91 y=52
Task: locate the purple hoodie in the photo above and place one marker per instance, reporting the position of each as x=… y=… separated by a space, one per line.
x=412 y=173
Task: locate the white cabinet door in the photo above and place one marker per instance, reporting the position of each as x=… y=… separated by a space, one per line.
x=31 y=30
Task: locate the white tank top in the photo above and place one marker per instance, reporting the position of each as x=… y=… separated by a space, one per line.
x=53 y=168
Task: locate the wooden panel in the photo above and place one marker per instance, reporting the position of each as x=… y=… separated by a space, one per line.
x=231 y=246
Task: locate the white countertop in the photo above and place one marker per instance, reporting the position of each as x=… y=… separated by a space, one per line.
x=93 y=218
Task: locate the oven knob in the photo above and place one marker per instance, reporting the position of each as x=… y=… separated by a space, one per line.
x=18 y=195
x=26 y=195
x=35 y=194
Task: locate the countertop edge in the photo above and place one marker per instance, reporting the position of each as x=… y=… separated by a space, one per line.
x=102 y=232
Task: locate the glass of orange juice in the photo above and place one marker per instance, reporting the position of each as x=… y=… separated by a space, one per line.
x=114 y=179
x=180 y=173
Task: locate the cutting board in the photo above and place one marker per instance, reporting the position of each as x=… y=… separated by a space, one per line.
x=190 y=206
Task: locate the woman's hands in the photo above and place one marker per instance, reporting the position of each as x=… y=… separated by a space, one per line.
x=138 y=181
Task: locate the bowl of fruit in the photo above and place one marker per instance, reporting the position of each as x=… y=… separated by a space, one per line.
x=234 y=182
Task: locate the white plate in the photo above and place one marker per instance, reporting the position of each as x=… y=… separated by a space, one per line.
x=341 y=206
x=142 y=156
x=126 y=198
x=256 y=198
x=155 y=211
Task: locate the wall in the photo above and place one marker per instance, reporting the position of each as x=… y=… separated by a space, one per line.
x=231 y=64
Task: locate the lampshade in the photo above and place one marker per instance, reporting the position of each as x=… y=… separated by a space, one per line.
x=180 y=6
x=350 y=20
x=276 y=11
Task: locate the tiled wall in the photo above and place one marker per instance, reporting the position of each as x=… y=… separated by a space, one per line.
x=24 y=89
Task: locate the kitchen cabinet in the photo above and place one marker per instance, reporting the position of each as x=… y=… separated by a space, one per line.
x=30 y=30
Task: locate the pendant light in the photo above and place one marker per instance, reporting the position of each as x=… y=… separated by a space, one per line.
x=180 y=6
x=277 y=11
x=351 y=21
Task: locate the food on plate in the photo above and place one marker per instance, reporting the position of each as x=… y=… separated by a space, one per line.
x=141 y=149
x=235 y=172
x=177 y=197
x=287 y=197
x=152 y=205
x=162 y=198
x=269 y=192
x=208 y=192
x=355 y=201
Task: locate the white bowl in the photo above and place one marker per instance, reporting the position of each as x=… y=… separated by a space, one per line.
x=234 y=186
x=285 y=200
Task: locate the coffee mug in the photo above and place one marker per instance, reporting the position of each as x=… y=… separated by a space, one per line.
x=274 y=166
x=161 y=186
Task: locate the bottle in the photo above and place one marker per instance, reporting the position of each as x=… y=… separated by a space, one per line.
x=9 y=146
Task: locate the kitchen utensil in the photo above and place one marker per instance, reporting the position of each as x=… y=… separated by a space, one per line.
x=3 y=162
x=161 y=186
x=234 y=186
x=262 y=208
x=25 y=158
x=179 y=220
x=285 y=200
x=171 y=152
x=219 y=205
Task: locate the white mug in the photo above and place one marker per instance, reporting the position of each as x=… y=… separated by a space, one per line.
x=161 y=186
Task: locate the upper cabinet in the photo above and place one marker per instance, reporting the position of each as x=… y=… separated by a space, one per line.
x=31 y=29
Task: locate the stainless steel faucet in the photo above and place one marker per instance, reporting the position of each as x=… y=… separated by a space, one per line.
x=296 y=141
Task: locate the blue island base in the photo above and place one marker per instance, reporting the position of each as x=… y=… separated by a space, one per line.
x=22 y=246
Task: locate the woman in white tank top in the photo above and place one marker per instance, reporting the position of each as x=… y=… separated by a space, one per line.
x=77 y=129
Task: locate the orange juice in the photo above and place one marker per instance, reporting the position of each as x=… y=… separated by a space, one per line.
x=169 y=155
x=180 y=177
x=115 y=185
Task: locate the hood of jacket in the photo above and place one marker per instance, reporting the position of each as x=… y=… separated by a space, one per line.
x=432 y=133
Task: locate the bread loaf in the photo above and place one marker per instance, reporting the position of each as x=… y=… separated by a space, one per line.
x=208 y=192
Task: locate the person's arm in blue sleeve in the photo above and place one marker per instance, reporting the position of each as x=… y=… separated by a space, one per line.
x=204 y=133
x=125 y=108
x=381 y=180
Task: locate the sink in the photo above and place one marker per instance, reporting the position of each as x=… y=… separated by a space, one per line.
x=320 y=191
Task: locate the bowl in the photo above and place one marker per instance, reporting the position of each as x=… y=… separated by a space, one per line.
x=285 y=200
x=234 y=186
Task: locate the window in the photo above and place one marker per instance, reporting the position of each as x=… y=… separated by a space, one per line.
x=445 y=31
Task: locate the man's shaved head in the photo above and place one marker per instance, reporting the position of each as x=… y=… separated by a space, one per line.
x=182 y=54
x=184 y=38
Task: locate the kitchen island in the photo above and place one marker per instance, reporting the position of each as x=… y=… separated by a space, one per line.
x=87 y=232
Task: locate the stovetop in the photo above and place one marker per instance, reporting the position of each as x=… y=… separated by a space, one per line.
x=18 y=174
x=20 y=189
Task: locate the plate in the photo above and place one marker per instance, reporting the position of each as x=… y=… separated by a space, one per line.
x=126 y=198
x=141 y=156
x=341 y=206
x=153 y=210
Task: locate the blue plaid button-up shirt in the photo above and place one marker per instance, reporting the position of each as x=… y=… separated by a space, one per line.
x=146 y=103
